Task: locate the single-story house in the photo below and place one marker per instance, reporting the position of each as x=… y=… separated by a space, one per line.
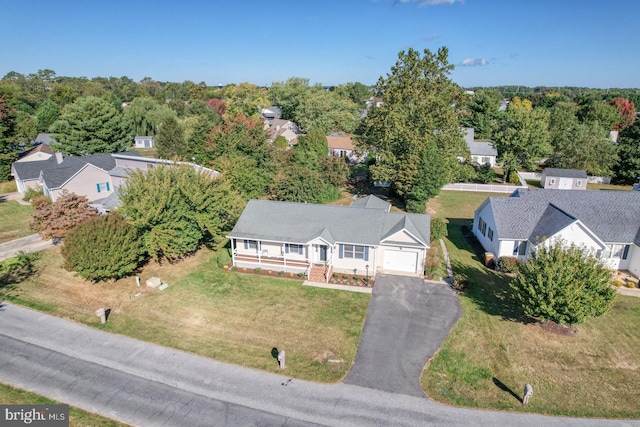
x=342 y=146
x=144 y=142
x=318 y=240
x=284 y=128
x=271 y=113
x=482 y=152
x=93 y=176
x=564 y=179
x=607 y=223
x=44 y=138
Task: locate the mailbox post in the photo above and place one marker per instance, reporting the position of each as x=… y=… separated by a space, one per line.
x=281 y=356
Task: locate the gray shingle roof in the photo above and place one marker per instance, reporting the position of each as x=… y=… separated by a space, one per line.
x=566 y=173
x=614 y=216
x=31 y=170
x=56 y=175
x=482 y=148
x=302 y=222
x=371 y=202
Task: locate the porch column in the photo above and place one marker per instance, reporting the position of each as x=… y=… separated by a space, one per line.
x=259 y=248
x=233 y=252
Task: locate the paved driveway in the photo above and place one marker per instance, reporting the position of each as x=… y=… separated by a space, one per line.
x=407 y=321
x=32 y=243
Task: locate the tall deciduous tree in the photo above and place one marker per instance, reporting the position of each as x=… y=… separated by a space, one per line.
x=147 y=115
x=176 y=209
x=288 y=95
x=47 y=113
x=90 y=126
x=523 y=135
x=419 y=110
x=320 y=109
x=627 y=111
x=56 y=220
x=8 y=148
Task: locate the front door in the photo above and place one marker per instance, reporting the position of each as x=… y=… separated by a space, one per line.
x=322 y=253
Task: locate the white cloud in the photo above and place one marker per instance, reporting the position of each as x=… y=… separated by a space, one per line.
x=430 y=38
x=474 y=62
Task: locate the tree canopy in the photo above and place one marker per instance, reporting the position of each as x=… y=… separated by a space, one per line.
x=56 y=220
x=90 y=126
x=418 y=113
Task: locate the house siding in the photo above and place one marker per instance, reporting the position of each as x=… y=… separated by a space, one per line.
x=84 y=183
x=494 y=246
x=634 y=260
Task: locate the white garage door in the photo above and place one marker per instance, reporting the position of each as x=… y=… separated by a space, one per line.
x=400 y=261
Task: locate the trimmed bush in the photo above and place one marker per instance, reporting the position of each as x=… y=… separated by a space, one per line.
x=223 y=258
x=102 y=248
x=509 y=264
x=438 y=228
x=617 y=283
x=631 y=284
x=31 y=193
x=460 y=282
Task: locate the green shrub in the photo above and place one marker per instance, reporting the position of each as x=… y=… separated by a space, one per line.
x=257 y=269
x=631 y=284
x=416 y=206
x=300 y=274
x=514 y=178
x=102 y=248
x=280 y=273
x=486 y=174
x=438 y=228
x=234 y=268
x=223 y=257
x=345 y=276
x=617 y=283
x=563 y=284
x=509 y=264
x=31 y=193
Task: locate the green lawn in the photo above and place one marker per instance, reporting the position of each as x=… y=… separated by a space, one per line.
x=14 y=220
x=492 y=352
x=77 y=417
x=229 y=316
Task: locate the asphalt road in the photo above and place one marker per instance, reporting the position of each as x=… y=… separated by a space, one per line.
x=407 y=321
x=32 y=243
x=147 y=385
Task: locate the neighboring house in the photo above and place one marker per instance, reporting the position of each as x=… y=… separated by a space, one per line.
x=271 y=113
x=606 y=223
x=564 y=179
x=285 y=128
x=374 y=101
x=144 y=142
x=94 y=176
x=37 y=153
x=342 y=146
x=318 y=240
x=482 y=152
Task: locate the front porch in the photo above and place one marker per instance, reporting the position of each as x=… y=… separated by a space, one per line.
x=315 y=272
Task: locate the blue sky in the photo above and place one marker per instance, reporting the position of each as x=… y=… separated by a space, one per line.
x=591 y=43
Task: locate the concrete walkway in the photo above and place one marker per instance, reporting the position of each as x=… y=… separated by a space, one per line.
x=144 y=384
x=407 y=320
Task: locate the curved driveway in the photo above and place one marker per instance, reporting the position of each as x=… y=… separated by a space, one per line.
x=407 y=320
x=144 y=384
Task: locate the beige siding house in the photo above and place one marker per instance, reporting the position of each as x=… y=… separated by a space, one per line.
x=564 y=179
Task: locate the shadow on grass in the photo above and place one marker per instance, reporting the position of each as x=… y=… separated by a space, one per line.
x=504 y=387
x=488 y=289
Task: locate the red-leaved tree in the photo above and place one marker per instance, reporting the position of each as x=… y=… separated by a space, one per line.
x=627 y=111
x=55 y=220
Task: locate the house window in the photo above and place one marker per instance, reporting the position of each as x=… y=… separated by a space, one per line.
x=482 y=226
x=354 y=252
x=579 y=183
x=102 y=186
x=486 y=160
x=293 y=248
x=616 y=251
x=251 y=244
x=490 y=234
x=520 y=247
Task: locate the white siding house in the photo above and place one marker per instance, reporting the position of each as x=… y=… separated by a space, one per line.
x=606 y=223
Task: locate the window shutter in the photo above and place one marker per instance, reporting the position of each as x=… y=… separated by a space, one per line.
x=98 y=187
x=286 y=248
x=300 y=249
x=246 y=244
x=366 y=253
x=341 y=251
x=107 y=186
x=625 y=254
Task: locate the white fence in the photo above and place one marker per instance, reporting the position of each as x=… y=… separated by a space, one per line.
x=485 y=188
x=591 y=179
